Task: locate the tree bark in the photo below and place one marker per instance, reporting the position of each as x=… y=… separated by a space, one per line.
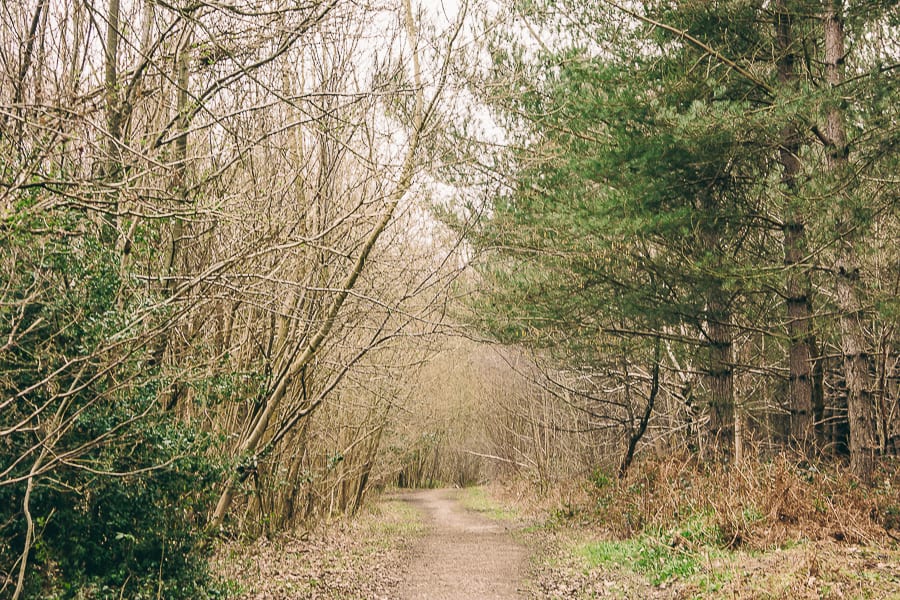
x=111 y=84
x=19 y=92
x=720 y=380
x=719 y=375
x=797 y=284
x=854 y=345
x=180 y=173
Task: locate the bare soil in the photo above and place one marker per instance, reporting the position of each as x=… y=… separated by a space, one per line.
x=463 y=555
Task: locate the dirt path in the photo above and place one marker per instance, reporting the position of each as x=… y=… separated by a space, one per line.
x=463 y=555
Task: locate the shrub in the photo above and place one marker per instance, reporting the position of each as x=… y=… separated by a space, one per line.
x=762 y=504
x=119 y=487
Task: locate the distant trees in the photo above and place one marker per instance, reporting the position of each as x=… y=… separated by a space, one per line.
x=683 y=174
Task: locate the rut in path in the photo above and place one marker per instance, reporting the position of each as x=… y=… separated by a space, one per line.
x=464 y=556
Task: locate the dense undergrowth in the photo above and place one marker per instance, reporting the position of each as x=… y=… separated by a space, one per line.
x=757 y=505
x=677 y=528
x=102 y=495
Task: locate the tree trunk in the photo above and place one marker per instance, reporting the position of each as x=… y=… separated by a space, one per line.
x=635 y=434
x=854 y=345
x=720 y=375
x=111 y=164
x=180 y=174
x=111 y=85
x=797 y=284
x=19 y=92
x=179 y=190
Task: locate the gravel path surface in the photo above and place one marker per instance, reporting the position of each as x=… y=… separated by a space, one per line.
x=463 y=555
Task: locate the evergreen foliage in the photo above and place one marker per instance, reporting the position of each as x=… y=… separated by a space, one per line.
x=650 y=196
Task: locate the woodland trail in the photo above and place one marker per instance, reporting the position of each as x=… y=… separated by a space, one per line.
x=463 y=555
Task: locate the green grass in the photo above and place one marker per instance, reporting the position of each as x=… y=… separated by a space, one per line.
x=391 y=520
x=477 y=499
x=227 y=588
x=712 y=582
x=645 y=555
x=660 y=556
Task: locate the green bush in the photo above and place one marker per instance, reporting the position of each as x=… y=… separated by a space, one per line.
x=120 y=497
x=140 y=533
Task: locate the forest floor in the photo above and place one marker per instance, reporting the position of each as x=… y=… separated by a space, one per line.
x=477 y=544
x=414 y=545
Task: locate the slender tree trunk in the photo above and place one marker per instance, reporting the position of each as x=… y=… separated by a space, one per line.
x=111 y=85
x=797 y=284
x=854 y=345
x=19 y=92
x=738 y=434
x=179 y=191
x=720 y=374
x=635 y=434
x=110 y=165
x=180 y=172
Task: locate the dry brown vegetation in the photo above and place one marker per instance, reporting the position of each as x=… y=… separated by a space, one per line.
x=757 y=505
x=677 y=529
x=360 y=558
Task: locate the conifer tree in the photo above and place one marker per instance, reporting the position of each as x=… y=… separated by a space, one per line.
x=682 y=167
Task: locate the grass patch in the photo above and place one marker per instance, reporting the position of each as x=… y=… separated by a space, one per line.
x=227 y=588
x=650 y=557
x=391 y=519
x=708 y=584
x=660 y=555
x=477 y=499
